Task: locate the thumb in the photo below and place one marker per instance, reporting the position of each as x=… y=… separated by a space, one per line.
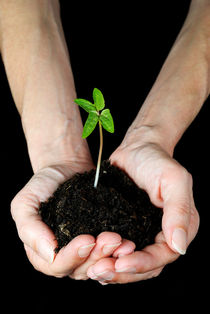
x=176 y=192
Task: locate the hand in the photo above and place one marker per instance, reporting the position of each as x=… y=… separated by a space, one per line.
x=169 y=186
x=39 y=241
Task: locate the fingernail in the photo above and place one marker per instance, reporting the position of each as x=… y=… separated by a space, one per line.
x=91 y=274
x=108 y=249
x=45 y=250
x=179 y=240
x=85 y=250
x=131 y=270
x=103 y=283
x=105 y=275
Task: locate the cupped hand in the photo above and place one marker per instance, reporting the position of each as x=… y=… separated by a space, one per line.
x=169 y=186
x=39 y=241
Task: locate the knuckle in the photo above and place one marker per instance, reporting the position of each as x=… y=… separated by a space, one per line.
x=195 y=220
x=23 y=232
x=59 y=275
x=13 y=206
x=195 y=214
x=181 y=172
x=79 y=276
x=177 y=172
x=57 y=272
x=35 y=266
x=184 y=174
x=156 y=273
x=183 y=209
x=27 y=236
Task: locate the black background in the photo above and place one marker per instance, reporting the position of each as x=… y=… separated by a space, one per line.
x=119 y=48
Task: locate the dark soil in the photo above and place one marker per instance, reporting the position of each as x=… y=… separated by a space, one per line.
x=116 y=205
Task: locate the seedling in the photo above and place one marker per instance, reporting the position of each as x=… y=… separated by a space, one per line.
x=97 y=114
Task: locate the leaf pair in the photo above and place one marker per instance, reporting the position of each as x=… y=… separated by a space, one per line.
x=104 y=117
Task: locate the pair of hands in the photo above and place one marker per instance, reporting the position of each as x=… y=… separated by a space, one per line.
x=109 y=258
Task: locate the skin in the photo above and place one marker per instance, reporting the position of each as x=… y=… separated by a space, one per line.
x=42 y=86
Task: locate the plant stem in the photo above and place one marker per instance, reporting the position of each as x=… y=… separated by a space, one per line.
x=99 y=155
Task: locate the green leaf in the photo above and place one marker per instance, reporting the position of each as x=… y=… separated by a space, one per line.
x=85 y=104
x=98 y=99
x=107 y=120
x=90 y=124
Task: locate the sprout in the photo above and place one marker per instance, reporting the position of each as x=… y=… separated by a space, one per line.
x=96 y=114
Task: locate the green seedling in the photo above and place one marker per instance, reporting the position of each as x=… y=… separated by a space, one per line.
x=96 y=114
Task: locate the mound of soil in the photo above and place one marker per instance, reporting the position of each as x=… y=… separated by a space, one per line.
x=117 y=205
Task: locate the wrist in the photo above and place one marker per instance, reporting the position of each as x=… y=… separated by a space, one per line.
x=139 y=136
x=60 y=152
x=54 y=136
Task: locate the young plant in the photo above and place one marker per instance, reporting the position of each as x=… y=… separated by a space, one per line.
x=97 y=114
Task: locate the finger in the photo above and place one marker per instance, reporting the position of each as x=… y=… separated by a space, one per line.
x=127 y=247
x=150 y=258
x=156 y=256
x=73 y=255
x=104 y=272
x=106 y=244
x=37 y=262
x=67 y=259
x=176 y=192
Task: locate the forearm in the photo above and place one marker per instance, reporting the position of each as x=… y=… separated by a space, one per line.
x=39 y=73
x=182 y=85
